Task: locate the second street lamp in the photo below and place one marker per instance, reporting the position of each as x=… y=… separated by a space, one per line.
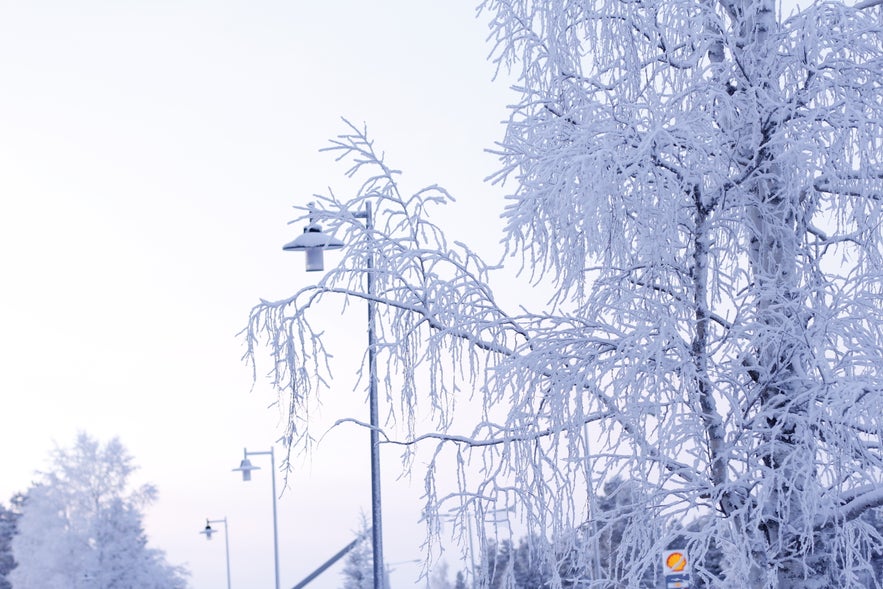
x=313 y=242
x=245 y=467
x=208 y=531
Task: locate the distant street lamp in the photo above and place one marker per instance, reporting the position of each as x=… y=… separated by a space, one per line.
x=314 y=242
x=208 y=531
x=245 y=467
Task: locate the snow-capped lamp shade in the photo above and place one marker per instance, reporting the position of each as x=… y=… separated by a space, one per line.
x=208 y=531
x=245 y=467
x=313 y=241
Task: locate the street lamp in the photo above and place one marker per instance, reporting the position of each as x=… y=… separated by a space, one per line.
x=245 y=467
x=208 y=531
x=313 y=242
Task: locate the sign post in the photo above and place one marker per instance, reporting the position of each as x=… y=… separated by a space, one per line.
x=674 y=569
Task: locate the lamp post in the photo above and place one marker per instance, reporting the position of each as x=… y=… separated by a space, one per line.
x=208 y=531
x=313 y=242
x=245 y=467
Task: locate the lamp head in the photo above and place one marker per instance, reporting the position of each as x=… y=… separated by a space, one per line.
x=313 y=241
x=245 y=467
x=208 y=531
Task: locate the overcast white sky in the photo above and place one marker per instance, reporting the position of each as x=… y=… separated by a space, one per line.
x=150 y=153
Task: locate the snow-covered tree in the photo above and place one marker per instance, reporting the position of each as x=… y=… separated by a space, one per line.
x=81 y=526
x=601 y=549
x=358 y=569
x=460 y=580
x=8 y=529
x=497 y=566
x=529 y=569
x=438 y=578
x=701 y=181
x=624 y=536
x=521 y=567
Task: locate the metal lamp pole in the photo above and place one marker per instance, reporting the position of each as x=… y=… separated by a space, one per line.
x=245 y=467
x=208 y=531
x=313 y=242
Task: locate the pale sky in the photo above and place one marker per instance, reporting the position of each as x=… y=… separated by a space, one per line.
x=150 y=153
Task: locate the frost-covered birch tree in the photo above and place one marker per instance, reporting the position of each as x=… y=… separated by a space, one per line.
x=701 y=182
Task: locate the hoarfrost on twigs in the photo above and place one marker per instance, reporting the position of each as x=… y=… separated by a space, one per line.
x=702 y=183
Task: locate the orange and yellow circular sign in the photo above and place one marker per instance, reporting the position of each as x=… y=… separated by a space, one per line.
x=675 y=561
